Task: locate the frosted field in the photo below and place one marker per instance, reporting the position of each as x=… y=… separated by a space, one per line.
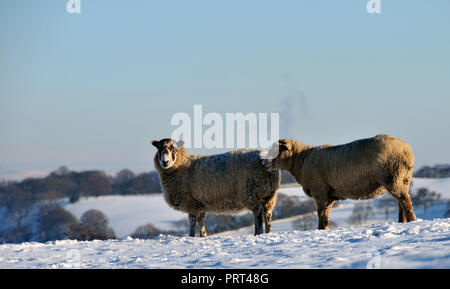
x=381 y=244
x=421 y=244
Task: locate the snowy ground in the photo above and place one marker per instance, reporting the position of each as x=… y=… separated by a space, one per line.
x=383 y=244
x=421 y=244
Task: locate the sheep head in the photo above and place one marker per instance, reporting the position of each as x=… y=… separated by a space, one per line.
x=167 y=151
x=279 y=155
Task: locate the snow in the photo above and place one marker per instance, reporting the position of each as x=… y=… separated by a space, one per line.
x=420 y=244
x=380 y=244
x=126 y=213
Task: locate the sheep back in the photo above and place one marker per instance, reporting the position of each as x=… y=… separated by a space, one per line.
x=222 y=183
x=362 y=169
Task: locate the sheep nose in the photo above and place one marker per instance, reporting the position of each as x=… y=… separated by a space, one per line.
x=165 y=163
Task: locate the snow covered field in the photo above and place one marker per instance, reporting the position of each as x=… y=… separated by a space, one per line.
x=421 y=244
x=382 y=244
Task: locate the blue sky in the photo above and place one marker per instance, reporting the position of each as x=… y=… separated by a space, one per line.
x=90 y=90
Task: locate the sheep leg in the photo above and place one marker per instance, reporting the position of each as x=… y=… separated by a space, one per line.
x=401 y=214
x=268 y=220
x=192 y=221
x=323 y=213
x=201 y=224
x=258 y=215
x=404 y=206
x=399 y=190
x=407 y=207
x=268 y=205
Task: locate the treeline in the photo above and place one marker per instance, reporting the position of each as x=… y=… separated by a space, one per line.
x=24 y=202
x=63 y=183
x=437 y=171
x=49 y=222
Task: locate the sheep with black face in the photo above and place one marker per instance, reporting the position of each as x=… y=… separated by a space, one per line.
x=223 y=184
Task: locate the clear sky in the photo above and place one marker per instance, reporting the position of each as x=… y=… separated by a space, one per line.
x=90 y=90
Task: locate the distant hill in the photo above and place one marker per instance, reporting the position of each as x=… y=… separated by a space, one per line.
x=437 y=171
x=287 y=178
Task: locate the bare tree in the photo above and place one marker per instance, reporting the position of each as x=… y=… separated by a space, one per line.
x=288 y=206
x=149 y=231
x=124 y=176
x=387 y=205
x=362 y=211
x=19 y=203
x=55 y=222
x=425 y=198
x=93 y=225
x=61 y=171
x=306 y=222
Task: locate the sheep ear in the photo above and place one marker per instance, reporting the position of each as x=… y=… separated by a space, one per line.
x=288 y=146
x=285 y=146
x=179 y=143
x=155 y=143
